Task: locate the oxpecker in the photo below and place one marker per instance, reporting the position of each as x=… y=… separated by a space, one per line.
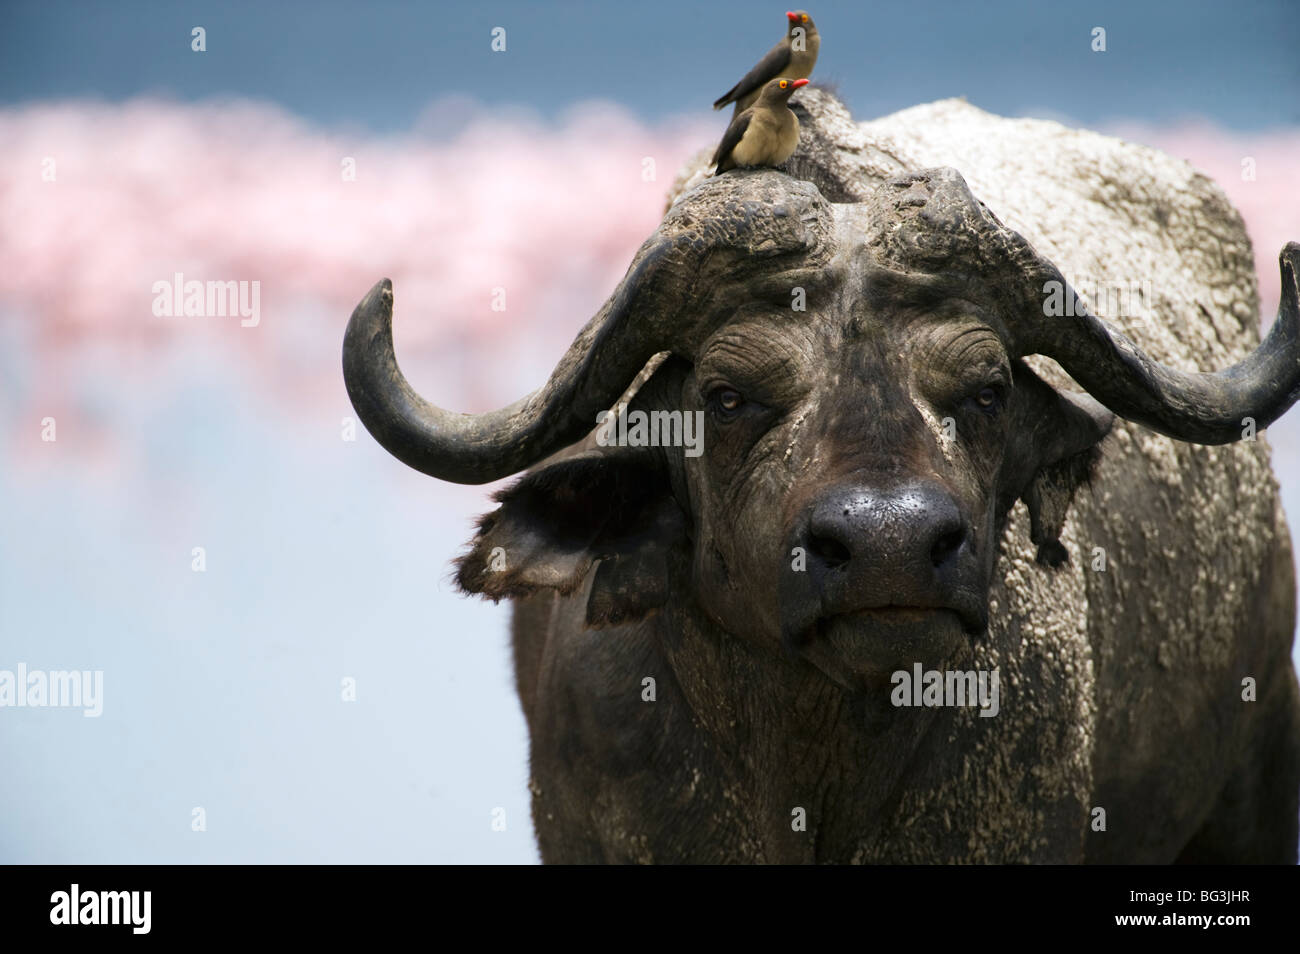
x=793 y=58
x=766 y=134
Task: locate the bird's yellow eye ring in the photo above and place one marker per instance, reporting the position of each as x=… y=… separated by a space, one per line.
x=804 y=18
x=783 y=84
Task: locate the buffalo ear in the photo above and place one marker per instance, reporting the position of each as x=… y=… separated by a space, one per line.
x=609 y=506
x=1058 y=432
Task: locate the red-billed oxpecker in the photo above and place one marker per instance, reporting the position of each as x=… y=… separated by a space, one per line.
x=793 y=58
x=766 y=134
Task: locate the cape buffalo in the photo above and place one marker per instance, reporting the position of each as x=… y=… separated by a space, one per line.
x=921 y=453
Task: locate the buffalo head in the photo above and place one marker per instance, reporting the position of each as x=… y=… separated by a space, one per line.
x=860 y=455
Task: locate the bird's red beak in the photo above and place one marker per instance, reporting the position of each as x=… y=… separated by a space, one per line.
x=797 y=83
x=794 y=17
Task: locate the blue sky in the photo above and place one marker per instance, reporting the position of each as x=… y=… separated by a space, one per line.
x=379 y=64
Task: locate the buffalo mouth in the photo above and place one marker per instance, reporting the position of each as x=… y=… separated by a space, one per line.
x=863 y=647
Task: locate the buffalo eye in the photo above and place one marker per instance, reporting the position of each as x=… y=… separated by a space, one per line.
x=988 y=399
x=728 y=401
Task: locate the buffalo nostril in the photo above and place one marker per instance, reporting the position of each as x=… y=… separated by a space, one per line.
x=946 y=546
x=830 y=551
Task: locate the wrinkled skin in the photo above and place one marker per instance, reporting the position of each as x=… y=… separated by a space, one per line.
x=842 y=411
x=703 y=645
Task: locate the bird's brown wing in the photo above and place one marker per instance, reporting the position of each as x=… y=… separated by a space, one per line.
x=768 y=68
x=735 y=132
